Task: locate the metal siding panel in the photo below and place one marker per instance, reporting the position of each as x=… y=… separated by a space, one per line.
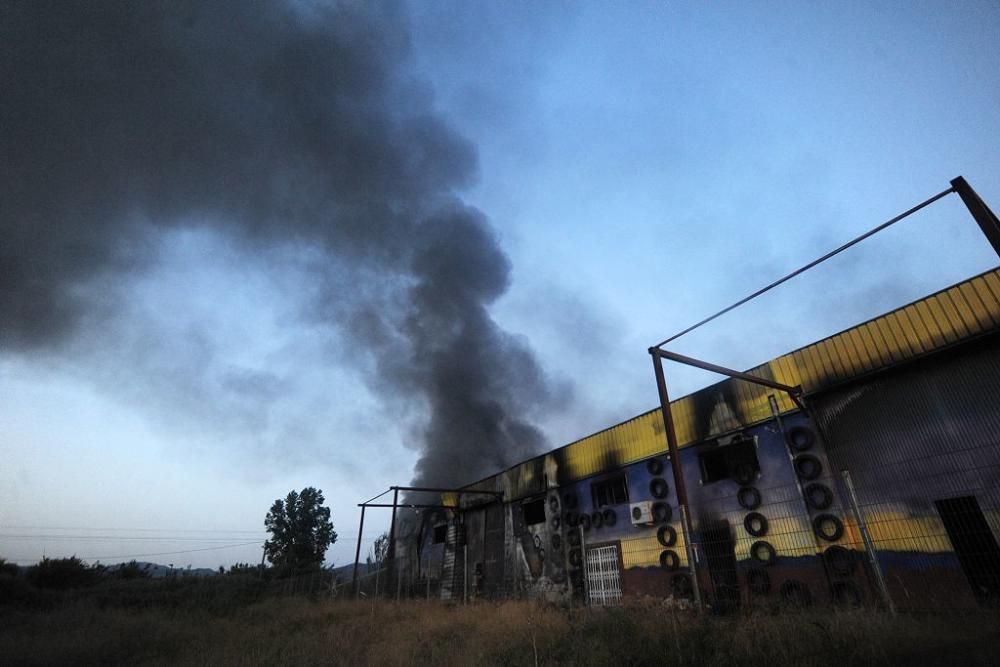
x=888 y=337
x=976 y=305
x=926 y=318
x=865 y=360
x=936 y=307
x=992 y=282
x=842 y=356
x=924 y=332
x=910 y=437
x=876 y=356
x=959 y=327
x=907 y=329
x=786 y=371
x=906 y=348
x=816 y=361
x=968 y=317
x=856 y=361
x=825 y=351
x=988 y=298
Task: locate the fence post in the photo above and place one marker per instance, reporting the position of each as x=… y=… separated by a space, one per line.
x=689 y=550
x=680 y=488
x=399 y=580
x=357 y=555
x=583 y=552
x=869 y=544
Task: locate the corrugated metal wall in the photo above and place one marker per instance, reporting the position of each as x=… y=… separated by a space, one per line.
x=925 y=433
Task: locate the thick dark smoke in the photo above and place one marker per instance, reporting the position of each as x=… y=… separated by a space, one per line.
x=276 y=124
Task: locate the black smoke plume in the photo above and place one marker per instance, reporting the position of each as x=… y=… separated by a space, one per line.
x=277 y=124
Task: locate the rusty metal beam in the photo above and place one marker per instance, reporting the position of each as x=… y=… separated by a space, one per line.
x=984 y=217
x=357 y=552
x=722 y=370
x=392 y=525
x=676 y=468
x=411 y=506
x=427 y=489
x=668 y=426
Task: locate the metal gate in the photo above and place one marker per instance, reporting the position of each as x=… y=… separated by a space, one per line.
x=493 y=551
x=604 y=581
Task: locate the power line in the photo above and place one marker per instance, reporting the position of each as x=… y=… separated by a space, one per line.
x=171 y=553
x=811 y=264
x=116 y=538
x=120 y=538
x=137 y=530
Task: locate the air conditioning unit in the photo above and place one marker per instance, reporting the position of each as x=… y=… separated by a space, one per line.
x=641 y=513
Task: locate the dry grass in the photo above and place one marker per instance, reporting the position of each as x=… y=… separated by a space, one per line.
x=297 y=631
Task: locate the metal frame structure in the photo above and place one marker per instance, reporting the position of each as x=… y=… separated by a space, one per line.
x=981 y=213
x=396 y=504
x=795 y=393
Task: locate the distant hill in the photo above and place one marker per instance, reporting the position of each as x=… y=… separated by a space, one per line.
x=346 y=572
x=157 y=571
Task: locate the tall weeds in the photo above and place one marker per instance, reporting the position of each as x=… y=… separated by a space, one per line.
x=297 y=631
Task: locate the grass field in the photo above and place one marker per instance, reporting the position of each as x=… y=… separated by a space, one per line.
x=297 y=631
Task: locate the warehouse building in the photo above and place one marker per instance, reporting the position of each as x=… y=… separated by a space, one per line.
x=879 y=483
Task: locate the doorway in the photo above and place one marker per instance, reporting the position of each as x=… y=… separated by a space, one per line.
x=720 y=553
x=493 y=551
x=974 y=544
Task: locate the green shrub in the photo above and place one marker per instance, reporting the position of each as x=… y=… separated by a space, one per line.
x=62 y=574
x=10 y=569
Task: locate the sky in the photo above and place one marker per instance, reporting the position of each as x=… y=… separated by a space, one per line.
x=289 y=245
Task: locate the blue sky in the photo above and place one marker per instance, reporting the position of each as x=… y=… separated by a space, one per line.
x=643 y=164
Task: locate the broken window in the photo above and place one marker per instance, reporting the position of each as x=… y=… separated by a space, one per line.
x=534 y=511
x=611 y=491
x=736 y=461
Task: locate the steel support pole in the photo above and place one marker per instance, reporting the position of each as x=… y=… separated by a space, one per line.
x=680 y=488
x=668 y=426
x=392 y=532
x=689 y=551
x=357 y=552
x=392 y=524
x=984 y=217
x=586 y=569
x=869 y=543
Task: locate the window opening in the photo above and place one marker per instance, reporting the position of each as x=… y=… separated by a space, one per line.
x=611 y=491
x=534 y=511
x=604 y=583
x=729 y=462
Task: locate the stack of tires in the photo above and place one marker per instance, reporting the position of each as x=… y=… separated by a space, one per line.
x=666 y=533
x=815 y=478
x=571 y=519
x=556 y=538
x=762 y=553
